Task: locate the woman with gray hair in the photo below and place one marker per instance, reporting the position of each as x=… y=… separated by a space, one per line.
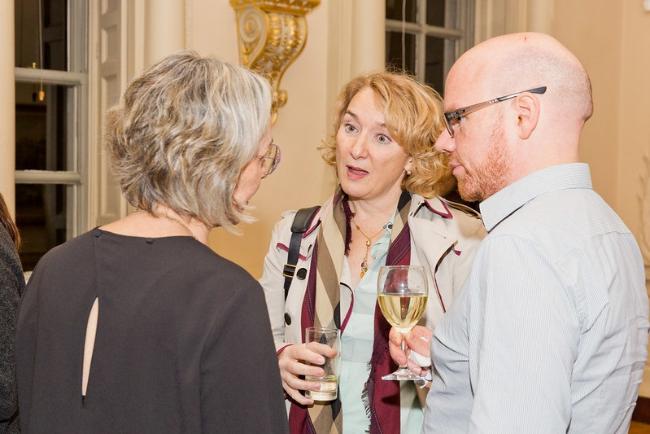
x=137 y=326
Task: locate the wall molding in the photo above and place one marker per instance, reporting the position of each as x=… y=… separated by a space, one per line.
x=497 y=17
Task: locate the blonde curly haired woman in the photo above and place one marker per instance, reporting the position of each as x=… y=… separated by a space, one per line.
x=386 y=210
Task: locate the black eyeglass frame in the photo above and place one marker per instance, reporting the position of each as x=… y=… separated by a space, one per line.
x=453 y=117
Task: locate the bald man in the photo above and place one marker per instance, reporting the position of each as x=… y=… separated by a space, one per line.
x=549 y=333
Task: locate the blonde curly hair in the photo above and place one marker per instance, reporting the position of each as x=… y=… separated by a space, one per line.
x=413 y=116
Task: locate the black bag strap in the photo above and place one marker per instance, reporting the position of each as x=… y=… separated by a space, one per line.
x=300 y=224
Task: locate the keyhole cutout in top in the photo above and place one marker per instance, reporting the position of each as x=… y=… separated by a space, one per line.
x=89 y=345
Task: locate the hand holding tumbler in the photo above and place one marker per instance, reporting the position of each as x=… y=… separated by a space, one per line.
x=329 y=381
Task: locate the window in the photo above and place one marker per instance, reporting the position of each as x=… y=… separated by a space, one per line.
x=424 y=37
x=51 y=123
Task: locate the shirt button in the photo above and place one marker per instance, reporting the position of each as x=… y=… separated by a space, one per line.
x=287 y=319
x=302 y=273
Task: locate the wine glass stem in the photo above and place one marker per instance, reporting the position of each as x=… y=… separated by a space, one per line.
x=403 y=347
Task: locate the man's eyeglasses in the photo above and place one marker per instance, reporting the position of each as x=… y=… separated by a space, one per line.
x=453 y=118
x=270 y=160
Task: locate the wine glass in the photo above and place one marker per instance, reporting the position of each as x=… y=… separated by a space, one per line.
x=402 y=296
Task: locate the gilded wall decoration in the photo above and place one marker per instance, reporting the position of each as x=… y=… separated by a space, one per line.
x=271 y=34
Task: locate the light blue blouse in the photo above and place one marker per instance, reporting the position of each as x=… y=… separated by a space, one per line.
x=356 y=351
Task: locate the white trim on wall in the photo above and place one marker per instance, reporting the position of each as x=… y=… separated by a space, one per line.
x=497 y=17
x=108 y=78
x=357 y=43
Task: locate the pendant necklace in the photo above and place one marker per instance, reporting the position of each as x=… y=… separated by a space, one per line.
x=364 y=263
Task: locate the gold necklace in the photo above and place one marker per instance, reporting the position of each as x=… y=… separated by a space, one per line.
x=364 y=263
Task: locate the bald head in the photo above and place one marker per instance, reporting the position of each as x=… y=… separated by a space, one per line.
x=520 y=61
x=501 y=143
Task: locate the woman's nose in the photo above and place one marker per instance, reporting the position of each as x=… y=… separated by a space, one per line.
x=360 y=147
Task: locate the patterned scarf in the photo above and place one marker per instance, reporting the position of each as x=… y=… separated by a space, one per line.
x=321 y=308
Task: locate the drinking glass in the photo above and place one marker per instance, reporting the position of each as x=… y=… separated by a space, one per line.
x=402 y=295
x=328 y=382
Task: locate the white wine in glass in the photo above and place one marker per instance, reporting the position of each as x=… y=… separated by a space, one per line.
x=402 y=293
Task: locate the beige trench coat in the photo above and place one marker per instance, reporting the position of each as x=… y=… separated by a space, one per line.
x=444 y=237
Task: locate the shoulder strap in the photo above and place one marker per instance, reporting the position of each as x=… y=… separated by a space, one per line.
x=300 y=224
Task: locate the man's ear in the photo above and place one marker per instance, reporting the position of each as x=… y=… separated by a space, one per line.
x=527 y=109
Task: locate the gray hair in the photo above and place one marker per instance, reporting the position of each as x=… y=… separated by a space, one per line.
x=183 y=133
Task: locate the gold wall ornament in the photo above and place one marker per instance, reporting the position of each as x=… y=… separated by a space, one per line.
x=272 y=33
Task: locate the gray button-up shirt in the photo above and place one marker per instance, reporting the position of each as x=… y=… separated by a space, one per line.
x=549 y=333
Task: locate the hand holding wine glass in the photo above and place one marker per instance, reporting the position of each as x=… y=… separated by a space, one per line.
x=402 y=294
x=418 y=344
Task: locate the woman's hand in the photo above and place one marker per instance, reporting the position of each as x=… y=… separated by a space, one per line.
x=417 y=340
x=296 y=360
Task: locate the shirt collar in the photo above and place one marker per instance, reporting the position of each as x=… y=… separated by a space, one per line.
x=506 y=201
x=436 y=205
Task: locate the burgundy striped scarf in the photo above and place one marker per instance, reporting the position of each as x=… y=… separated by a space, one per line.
x=383 y=396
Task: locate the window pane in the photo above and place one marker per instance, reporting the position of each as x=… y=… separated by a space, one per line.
x=41 y=216
x=42 y=127
x=54 y=33
x=436 y=12
x=394 y=10
x=394 y=52
x=435 y=63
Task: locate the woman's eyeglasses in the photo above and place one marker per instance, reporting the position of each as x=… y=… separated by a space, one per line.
x=271 y=160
